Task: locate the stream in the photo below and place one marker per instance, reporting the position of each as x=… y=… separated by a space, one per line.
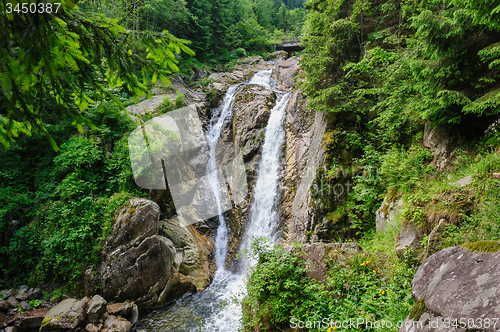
x=218 y=307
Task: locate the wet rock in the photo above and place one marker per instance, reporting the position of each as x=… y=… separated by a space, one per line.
x=12 y=302
x=10 y=329
x=385 y=215
x=304 y=155
x=115 y=324
x=30 y=320
x=195 y=259
x=409 y=241
x=97 y=307
x=67 y=315
x=120 y=309
x=137 y=262
x=8 y=293
x=456 y=283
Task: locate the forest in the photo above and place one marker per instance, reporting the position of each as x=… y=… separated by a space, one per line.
x=385 y=73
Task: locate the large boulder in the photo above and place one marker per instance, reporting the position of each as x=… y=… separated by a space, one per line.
x=438 y=141
x=457 y=284
x=285 y=74
x=193 y=252
x=136 y=262
x=65 y=316
x=96 y=308
x=30 y=320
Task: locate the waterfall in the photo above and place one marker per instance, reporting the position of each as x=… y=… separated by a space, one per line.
x=213 y=308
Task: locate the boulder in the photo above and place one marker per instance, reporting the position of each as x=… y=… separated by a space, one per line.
x=4 y=306
x=318 y=254
x=30 y=320
x=67 y=315
x=385 y=215
x=456 y=283
x=22 y=296
x=193 y=252
x=3 y=319
x=10 y=329
x=25 y=305
x=409 y=241
x=278 y=55
x=12 y=302
x=34 y=294
x=8 y=293
x=137 y=263
x=97 y=307
x=92 y=328
x=117 y=324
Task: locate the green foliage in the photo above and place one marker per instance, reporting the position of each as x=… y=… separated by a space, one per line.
x=482 y=246
x=51 y=64
x=35 y=303
x=366 y=287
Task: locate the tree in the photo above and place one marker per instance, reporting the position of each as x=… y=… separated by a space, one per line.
x=52 y=60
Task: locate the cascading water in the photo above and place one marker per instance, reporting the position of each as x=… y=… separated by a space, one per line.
x=212 y=309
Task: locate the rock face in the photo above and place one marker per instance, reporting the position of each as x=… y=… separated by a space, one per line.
x=286 y=72
x=304 y=156
x=193 y=252
x=456 y=283
x=137 y=262
x=96 y=308
x=385 y=215
x=67 y=315
x=317 y=255
x=409 y=239
x=243 y=70
x=437 y=141
x=138 y=257
x=30 y=320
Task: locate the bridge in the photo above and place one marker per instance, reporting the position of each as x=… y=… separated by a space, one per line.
x=289 y=45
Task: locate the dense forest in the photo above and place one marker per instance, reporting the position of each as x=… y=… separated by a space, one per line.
x=383 y=72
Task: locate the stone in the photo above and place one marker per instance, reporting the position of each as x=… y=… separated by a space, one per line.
x=456 y=283
x=316 y=256
x=137 y=262
x=8 y=293
x=409 y=241
x=434 y=241
x=120 y=309
x=34 y=294
x=278 y=55
x=97 y=307
x=3 y=319
x=10 y=329
x=4 y=306
x=115 y=324
x=195 y=249
x=67 y=315
x=91 y=328
x=22 y=296
x=437 y=140
x=286 y=73
x=12 y=302
x=464 y=181
x=25 y=305
x=496 y=176
x=386 y=214
x=23 y=289
x=30 y=320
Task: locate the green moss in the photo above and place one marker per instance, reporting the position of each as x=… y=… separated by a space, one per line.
x=417 y=310
x=131 y=211
x=482 y=246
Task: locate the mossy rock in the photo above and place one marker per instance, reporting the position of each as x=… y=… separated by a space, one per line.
x=417 y=310
x=482 y=246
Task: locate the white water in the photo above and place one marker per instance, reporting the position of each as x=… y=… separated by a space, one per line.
x=228 y=288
